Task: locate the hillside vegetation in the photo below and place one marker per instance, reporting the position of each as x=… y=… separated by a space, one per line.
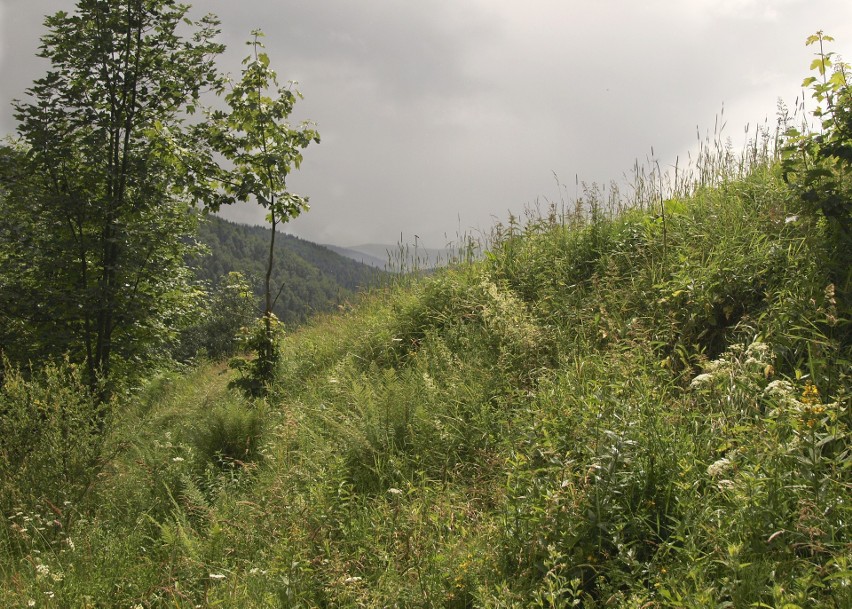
x=311 y=278
x=632 y=409
x=638 y=402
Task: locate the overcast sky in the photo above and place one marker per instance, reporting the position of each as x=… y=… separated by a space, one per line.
x=439 y=116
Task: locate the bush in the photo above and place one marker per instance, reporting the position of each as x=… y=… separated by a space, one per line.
x=231 y=307
x=51 y=436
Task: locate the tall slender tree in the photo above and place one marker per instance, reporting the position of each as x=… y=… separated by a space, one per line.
x=104 y=220
x=255 y=136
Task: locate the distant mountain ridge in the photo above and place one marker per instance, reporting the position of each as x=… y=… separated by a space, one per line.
x=312 y=277
x=359 y=255
x=391 y=257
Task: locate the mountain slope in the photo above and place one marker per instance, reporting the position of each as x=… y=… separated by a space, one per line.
x=311 y=277
x=379 y=262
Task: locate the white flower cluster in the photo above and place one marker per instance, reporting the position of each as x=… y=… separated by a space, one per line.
x=779 y=389
x=754 y=359
x=805 y=403
x=717 y=468
x=699 y=381
x=722 y=470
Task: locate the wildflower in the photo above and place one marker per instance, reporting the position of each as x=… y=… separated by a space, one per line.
x=70 y=543
x=810 y=394
x=758 y=348
x=725 y=484
x=31 y=603
x=813 y=408
x=778 y=389
x=701 y=379
x=718 y=467
x=394 y=491
x=753 y=363
x=812 y=414
x=716 y=365
x=58 y=576
x=352 y=580
x=42 y=570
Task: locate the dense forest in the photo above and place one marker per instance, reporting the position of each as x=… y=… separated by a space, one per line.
x=311 y=278
x=642 y=402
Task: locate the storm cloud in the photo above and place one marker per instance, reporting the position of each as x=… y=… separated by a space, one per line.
x=439 y=116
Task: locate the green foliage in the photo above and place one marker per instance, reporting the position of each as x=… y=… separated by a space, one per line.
x=260 y=338
x=230 y=435
x=818 y=166
x=568 y=422
x=96 y=226
x=52 y=436
x=255 y=137
x=227 y=309
x=608 y=411
x=311 y=278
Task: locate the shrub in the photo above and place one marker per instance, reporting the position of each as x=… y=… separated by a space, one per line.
x=230 y=307
x=51 y=436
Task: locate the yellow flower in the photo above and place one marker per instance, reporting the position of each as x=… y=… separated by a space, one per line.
x=810 y=395
x=813 y=405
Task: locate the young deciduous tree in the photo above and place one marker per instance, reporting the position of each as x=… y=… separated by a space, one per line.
x=101 y=221
x=254 y=135
x=818 y=166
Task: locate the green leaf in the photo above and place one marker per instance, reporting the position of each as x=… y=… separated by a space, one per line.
x=820 y=64
x=838 y=80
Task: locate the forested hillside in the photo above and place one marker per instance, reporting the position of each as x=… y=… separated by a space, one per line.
x=311 y=278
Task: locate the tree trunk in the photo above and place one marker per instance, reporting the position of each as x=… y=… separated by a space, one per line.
x=267 y=314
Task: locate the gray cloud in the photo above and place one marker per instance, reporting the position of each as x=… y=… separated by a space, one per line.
x=438 y=116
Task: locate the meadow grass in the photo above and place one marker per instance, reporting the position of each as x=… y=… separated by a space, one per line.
x=640 y=402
